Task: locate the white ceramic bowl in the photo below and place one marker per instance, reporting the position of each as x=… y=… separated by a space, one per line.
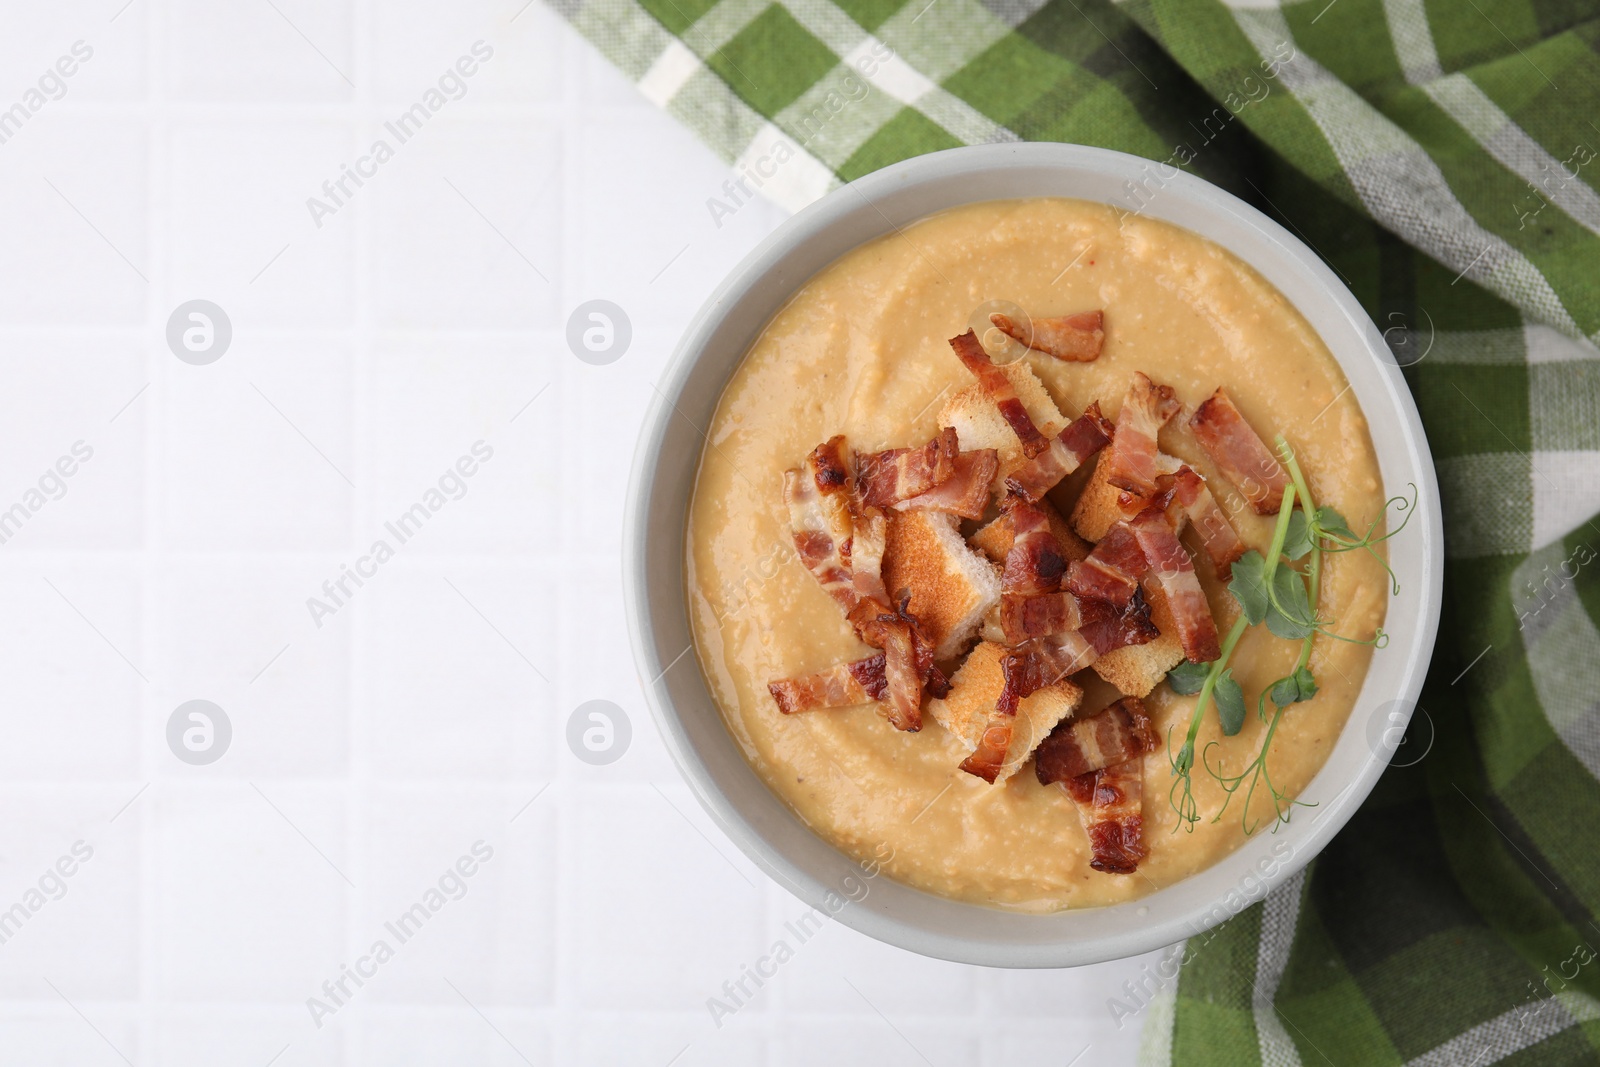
x=669 y=452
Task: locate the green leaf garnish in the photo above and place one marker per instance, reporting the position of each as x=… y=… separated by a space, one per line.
x=1187 y=678
x=1269 y=590
x=1331 y=523
x=1290 y=614
x=1297 y=542
x=1293 y=689
x=1229 y=698
x=1249 y=586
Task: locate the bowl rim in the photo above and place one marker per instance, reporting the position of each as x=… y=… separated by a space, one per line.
x=1306 y=837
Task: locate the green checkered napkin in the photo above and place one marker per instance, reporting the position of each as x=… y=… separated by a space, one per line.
x=1443 y=158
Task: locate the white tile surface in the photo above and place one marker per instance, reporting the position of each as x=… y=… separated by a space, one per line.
x=468 y=225
x=236 y=195
x=429 y=709
x=56 y=423
x=249 y=899
x=257 y=448
x=288 y=50
x=77 y=248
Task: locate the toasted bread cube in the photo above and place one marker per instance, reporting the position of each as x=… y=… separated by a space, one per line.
x=1099 y=506
x=994 y=539
x=952 y=587
x=978 y=423
x=1135 y=670
x=973 y=692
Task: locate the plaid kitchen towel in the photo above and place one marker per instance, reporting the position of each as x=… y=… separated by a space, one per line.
x=1441 y=156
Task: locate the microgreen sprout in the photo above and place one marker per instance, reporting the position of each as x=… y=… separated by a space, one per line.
x=1269 y=590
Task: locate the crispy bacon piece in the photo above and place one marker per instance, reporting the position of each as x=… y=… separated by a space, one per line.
x=818 y=495
x=964 y=493
x=990 y=755
x=901 y=473
x=934 y=682
x=909 y=669
x=904 y=680
x=1132 y=456
x=1173 y=570
x=1217 y=535
x=1031 y=601
x=841 y=686
x=1076 y=747
x=1068 y=450
x=830 y=467
x=1026 y=670
x=1239 y=453
x=1111 y=803
x=1166 y=495
x=1035 y=563
x=1045 y=662
x=1113 y=569
x=1109 y=628
x=999 y=389
x=869 y=536
x=1023 y=618
x=1075 y=338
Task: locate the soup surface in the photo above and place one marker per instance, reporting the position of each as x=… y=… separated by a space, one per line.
x=863 y=350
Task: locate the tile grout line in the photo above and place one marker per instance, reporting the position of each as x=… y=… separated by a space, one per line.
x=152 y=959
x=359 y=786
x=573 y=119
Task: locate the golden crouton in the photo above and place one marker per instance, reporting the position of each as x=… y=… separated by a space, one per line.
x=973 y=692
x=1135 y=670
x=952 y=587
x=978 y=423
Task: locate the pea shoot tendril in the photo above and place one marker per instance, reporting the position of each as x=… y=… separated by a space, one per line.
x=1269 y=590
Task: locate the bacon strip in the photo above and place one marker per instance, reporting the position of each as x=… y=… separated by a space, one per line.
x=1031 y=602
x=818 y=496
x=869 y=537
x=1111 y=803
x=1173 y=570
x=1132 y=456
x=1239 y=453
x=1109 y=628
x=1075 y=338
x=964 y=493
x=909 y=669
x=1068 y=450
x=1217 y=535
x=1112 y=735
x=989 y=757
x=904 y=680
x=999 y=389
x=934 y=682
x=841 y=686
x=830 y=467
x=1023 y=618
x=1035 y=563
x=1027 y=670
x=1113 y=569
x=900 y=473
x=1047 y=662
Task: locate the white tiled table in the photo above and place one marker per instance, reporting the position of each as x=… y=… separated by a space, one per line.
x=420 y=717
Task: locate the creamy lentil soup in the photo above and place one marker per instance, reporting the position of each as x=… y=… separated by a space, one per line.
x=863 y=350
